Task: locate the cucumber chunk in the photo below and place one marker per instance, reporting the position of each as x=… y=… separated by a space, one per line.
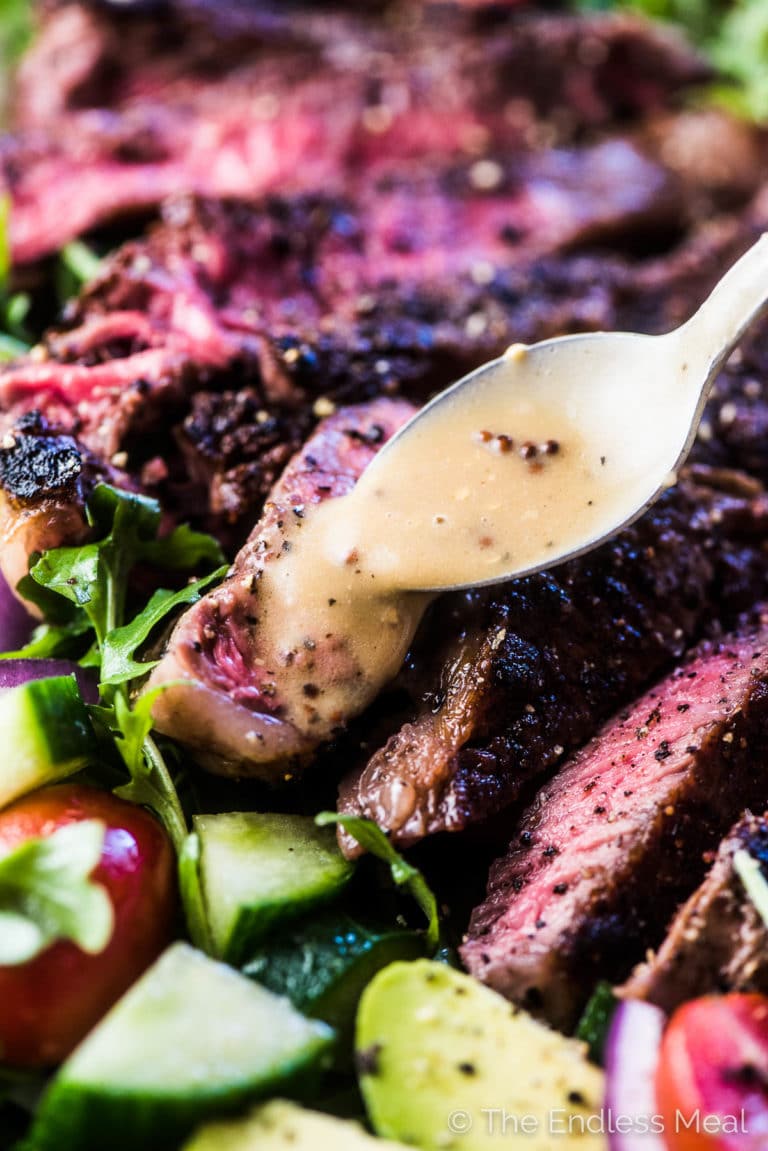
x=257 y=871
x=443 y=1061
x=324 y=965
x=191 y=1039
x=46 y=733
x=281 y=1126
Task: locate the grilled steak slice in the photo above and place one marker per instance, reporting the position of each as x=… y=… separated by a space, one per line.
x=717 y=941
x=540 y=662
x=611 y=845
x=146 y=107
x=45 y=479
x=297 y=300
x=247 y=705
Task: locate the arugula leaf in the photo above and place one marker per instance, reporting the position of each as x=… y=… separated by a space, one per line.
x=90 y=583
x=183 y=549
x=49 y=639
x=118 y=664
x=46 y=894
x=370 y=837
x=150 y=784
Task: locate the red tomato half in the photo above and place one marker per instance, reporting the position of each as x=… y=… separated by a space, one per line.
x=48 y=1004
x=712 y=1076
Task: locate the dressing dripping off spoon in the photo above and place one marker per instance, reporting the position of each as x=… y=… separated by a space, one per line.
x=540 y=455
x=537 y=457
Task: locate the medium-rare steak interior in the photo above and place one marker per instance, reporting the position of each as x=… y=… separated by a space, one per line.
x=611 y=845
x=245 y=99
x=237 y=693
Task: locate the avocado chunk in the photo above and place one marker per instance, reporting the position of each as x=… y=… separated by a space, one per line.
x=257 y=871
x=447 y=1063
x=281 y=1126
x=324 y=964
x=191 y=1039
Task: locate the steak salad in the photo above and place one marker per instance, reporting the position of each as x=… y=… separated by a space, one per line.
x=489 y=865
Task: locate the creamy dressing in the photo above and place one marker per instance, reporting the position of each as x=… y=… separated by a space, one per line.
x=534 y=458
x=505 y=475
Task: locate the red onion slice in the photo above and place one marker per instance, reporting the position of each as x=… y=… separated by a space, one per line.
x=631 y=1056
x=14 y=672
x=16 y=623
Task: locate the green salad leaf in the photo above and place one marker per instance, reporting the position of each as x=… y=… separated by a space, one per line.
x=370 y=837
x=78 y=265
x=118 y=652
x=595 y=1022
x=83 y=593
x=47 y=894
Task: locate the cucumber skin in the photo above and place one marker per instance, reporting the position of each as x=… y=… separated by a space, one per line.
x=84 y=1118
x=66 y=729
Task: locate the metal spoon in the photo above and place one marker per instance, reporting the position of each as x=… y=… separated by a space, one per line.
x=458 y=499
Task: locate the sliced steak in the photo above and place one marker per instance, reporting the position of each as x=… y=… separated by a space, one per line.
x=248 y=703
x=45 y=479
x=613 y=843
x=283 y=304
x=118 y=111
x=717 y=941
x=540 y=662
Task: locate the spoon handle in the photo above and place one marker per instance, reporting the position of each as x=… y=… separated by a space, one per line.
x=738 y=299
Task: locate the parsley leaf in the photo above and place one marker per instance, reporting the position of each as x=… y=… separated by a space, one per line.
x=46 y=894
x=370 y=837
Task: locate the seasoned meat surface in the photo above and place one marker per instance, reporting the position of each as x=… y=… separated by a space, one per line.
x=547 y=658
x=242 y=698
x=717 y=941
x=609 y=847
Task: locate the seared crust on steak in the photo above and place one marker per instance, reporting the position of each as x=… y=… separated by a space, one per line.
x=717 y=941
x=544 y=660
x=610 y=846
x=45 y=479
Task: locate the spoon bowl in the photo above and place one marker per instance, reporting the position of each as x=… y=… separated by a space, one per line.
x=543 y=453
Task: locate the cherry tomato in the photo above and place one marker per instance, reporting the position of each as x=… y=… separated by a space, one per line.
x=48 y=1004
x=712 y=1075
